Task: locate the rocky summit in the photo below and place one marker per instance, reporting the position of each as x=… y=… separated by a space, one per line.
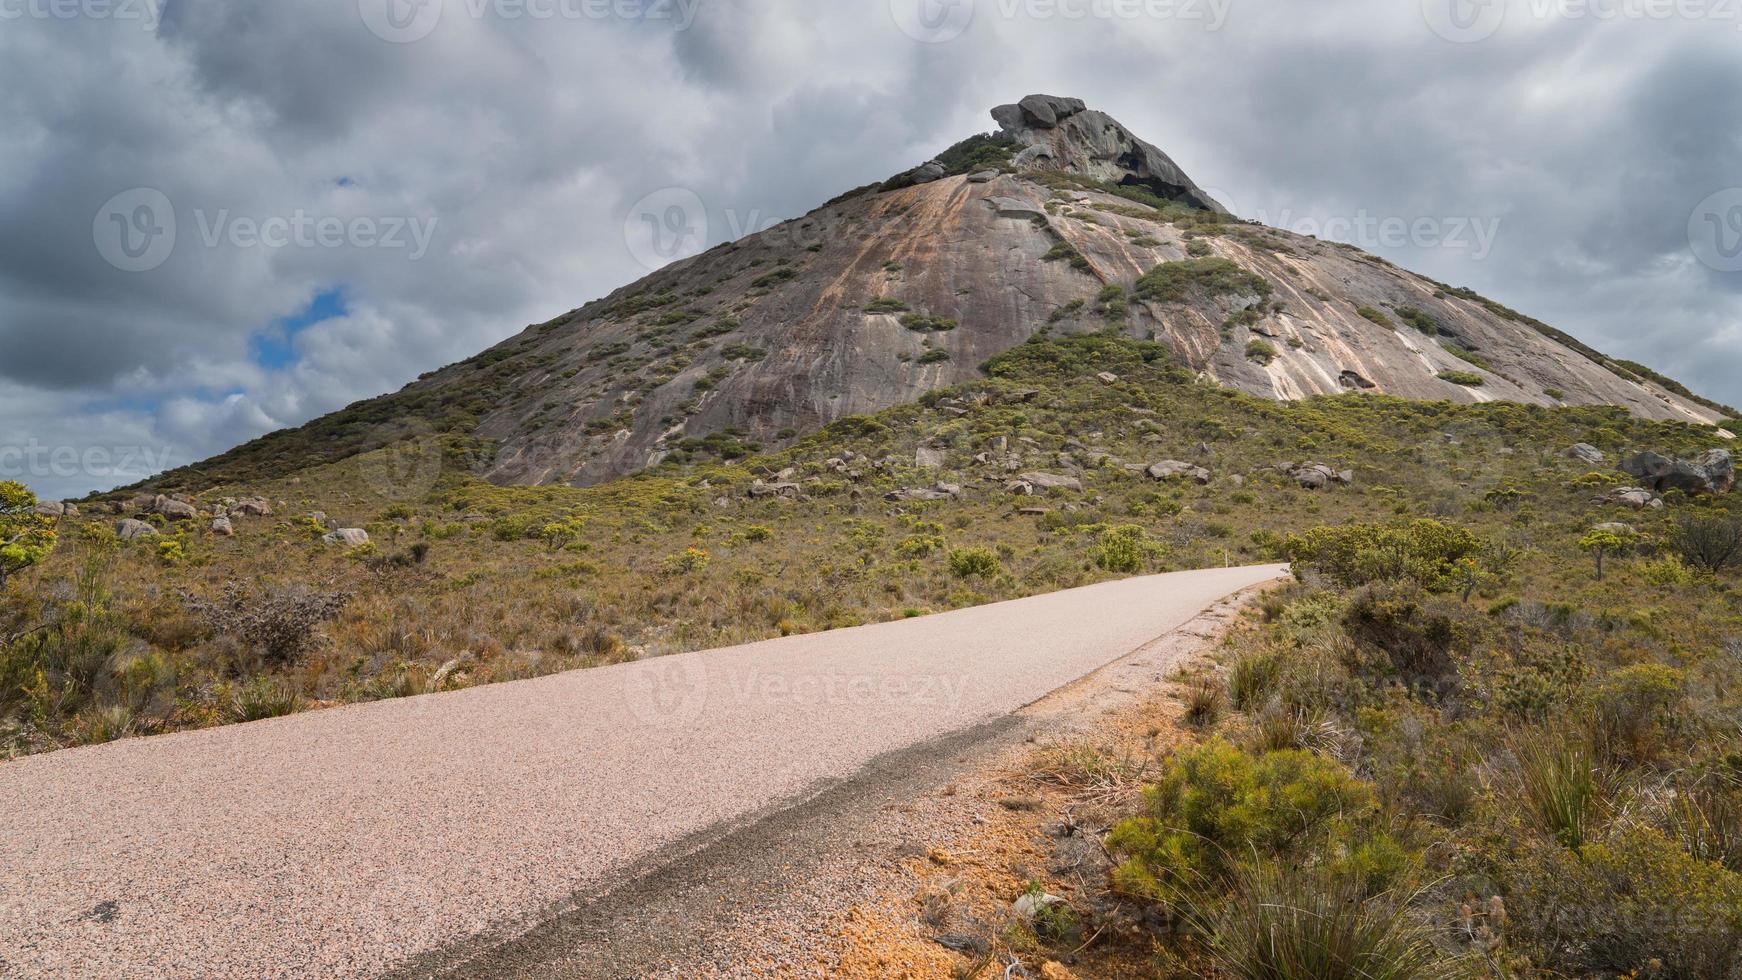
x=1060 y=221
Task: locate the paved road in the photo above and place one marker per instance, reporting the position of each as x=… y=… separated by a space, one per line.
x=340 y=843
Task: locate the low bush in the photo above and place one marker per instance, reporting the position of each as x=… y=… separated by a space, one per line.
x=970 y=562
x=1430 y=553
x=1712 y=543
x=279 y=625
x=1206 y=278
x=1216 y=805
x=1288 y=922
x=1468 y=379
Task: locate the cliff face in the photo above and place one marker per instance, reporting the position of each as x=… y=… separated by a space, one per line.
x=885 y=294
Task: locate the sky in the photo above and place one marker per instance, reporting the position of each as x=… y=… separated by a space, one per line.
x=223 y=217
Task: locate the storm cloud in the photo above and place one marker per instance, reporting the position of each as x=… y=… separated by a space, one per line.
x=210 y=212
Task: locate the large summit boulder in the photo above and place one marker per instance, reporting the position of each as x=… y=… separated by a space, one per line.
x=1057 y=133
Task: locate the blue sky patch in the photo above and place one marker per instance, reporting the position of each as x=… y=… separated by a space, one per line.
x=275 y=347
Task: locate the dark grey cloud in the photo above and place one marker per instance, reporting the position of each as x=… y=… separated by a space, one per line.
x=1585 y=144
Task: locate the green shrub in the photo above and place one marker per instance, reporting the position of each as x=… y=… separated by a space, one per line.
x=1180 y=281
x=1468 y=379
x=1631 y=708
x=1288 y=922
x=1377 y=316
x=1419 y=320
x=742 y=352
x=969 y=562
x=933 y=356
x=1064 y=250
x=1216 y=805
x=687 y=561
x=1559 y=784
x=780 y=275
x=1466 y=355
x=883 y=304
x=1124 y=548
x=1712 y=543
x=1260 y=351
x=1635 y=904
x=1253 y=678
x=923 y=323
x=1430 y=553
x=1419 y=636
x=263 y=698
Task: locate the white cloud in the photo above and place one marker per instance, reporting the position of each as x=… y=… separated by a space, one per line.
x=527 y=140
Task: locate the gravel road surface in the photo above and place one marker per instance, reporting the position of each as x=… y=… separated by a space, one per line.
x=345 y=842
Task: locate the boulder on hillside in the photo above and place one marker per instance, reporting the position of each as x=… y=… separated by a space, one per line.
x=983 y=177
x=1713 y=472
x=1584 y=452
x=939 y=491
x=928 y=458
x=1637 y=498
x=1050 y=481
x=1316 y=476
x=1168 y=469
x=350 y=537
x=251 y=507
x=128 y=529
x=175 y=510
x=762 y=491
x=51 y=508
x=222 y=527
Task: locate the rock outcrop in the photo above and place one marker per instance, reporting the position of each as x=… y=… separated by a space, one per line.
x=895 y=290
x=1064 y=134
x=1713 y=472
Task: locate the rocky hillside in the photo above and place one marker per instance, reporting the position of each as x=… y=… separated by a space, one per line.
x=1060 y=221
